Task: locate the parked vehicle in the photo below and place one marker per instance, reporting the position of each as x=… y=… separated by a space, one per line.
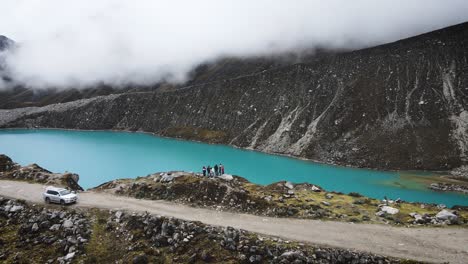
x=59 y=195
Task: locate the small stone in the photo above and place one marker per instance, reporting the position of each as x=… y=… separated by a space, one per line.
x=380 y=213
x=55 y=227
x=35 y=227
x=67 y=223
x=118 y=214
x=326 y=203
x=16 y=208
x=70 y=255
x=315 y=189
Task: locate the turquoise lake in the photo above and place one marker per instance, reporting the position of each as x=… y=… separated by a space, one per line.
x=99 y=156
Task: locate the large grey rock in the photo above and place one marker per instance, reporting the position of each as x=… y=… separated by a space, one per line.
x=389 y=210
x=226 y=177
x=445 y=215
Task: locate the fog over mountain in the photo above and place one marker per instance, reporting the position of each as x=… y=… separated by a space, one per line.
x=117 y=42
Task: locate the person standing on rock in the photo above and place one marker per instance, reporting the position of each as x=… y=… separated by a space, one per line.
x=212 y=172
x=221 y=168
x=216 y=169
x=209 y=170
x=204 y=171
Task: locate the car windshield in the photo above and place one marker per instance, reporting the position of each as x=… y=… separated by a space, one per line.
x=64 y=192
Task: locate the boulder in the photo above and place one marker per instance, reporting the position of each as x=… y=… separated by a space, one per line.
x=288 y=185
x=315 y=189
x=167 y=178
x=447 y=215
x=67 y=223
x=226 y=177
x=5 y=163
x=389 y=210
x=419 y=219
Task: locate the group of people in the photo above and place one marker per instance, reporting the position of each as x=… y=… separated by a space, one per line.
x=216 y=170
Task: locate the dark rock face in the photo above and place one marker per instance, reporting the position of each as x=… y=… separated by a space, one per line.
x=397 y=106
x=5 y=43
x=6 y=163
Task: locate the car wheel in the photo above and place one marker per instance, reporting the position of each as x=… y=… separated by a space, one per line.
x=62 y=202
x=47 y=200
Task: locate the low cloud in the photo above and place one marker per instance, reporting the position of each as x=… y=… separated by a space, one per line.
x=117 y=42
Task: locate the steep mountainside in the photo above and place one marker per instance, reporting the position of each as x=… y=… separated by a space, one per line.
x=225 y=68
x=5 y=44
x=396 y=106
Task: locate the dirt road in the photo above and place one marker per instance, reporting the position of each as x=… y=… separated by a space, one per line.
x=424 y=244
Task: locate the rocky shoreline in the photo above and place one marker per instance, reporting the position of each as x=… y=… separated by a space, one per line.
x=39 y=234
x=282 y=199
x=449 y=187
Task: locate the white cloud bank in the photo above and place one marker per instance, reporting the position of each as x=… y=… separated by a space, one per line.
x=84 y=42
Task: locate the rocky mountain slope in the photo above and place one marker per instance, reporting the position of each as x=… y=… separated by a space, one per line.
x=18 y=96
x=397 y=106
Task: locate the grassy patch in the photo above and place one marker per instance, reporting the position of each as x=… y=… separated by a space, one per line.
x=103 y=246
x=194 y=133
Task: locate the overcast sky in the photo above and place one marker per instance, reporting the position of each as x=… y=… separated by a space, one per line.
x=79 y=43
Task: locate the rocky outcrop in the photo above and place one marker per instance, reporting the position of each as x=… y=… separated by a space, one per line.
x=449 y=187
x=396 y=106
x=282 y=199
x=34 y=234
x=6 y=164
x=34 y=173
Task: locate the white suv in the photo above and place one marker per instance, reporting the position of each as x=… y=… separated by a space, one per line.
x=59 y=195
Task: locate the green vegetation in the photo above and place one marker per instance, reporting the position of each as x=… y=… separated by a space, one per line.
x=194 y=133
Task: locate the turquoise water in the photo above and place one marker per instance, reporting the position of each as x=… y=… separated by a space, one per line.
x=102 y=156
